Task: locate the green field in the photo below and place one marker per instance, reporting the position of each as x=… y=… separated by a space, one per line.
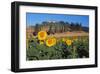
x=78 y=48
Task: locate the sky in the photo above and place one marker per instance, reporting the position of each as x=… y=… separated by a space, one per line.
x=37 y=18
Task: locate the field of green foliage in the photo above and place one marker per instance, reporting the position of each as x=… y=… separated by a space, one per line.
x=78 y=48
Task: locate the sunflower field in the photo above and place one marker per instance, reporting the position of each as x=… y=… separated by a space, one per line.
x=44 y=47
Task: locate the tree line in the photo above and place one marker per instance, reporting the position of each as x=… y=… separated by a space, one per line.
x=58 y=27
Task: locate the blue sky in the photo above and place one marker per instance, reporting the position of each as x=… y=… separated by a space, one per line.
x=34 y=18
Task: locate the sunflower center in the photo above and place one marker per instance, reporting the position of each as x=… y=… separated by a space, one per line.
x=42 y=34
x=50 y=41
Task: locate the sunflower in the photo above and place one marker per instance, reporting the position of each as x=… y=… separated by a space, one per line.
x=68 y=42
x=63 y=39
x=42 y=35
x=50 y=42
x=41 y=42
x=74 y=38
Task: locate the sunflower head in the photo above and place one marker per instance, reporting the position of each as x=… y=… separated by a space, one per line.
x=50 y=42
x=74 y=38
x=68 y=42
x=42 y=35
x=41 y=42
x=63 y=39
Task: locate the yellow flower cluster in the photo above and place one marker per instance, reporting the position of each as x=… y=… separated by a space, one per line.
x=42 y=36
x=67 y=41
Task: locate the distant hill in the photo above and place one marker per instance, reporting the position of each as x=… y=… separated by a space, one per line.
x=52 y=27
x=86 y=29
